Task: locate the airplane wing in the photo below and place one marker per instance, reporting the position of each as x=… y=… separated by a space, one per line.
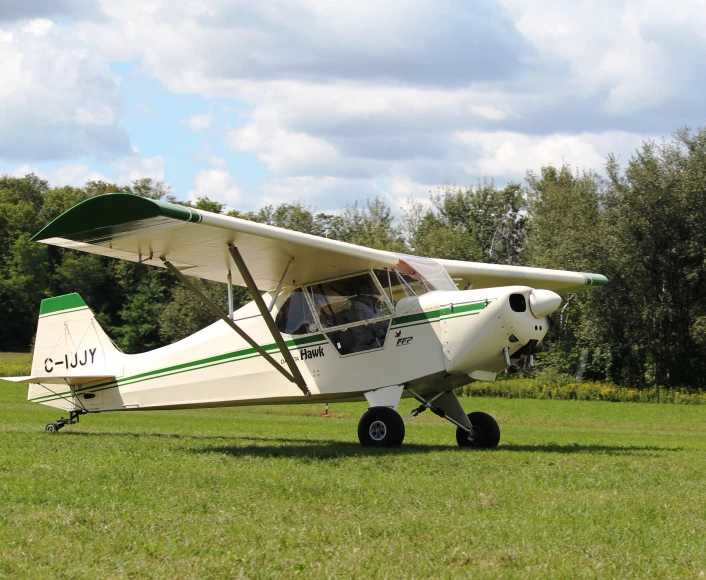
x=139 y=229
x=478 y=275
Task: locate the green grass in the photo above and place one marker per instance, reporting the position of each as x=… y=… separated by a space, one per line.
x=15 y=364
x=576 y=489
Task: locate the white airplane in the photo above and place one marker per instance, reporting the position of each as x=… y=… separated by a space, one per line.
x=330 y=321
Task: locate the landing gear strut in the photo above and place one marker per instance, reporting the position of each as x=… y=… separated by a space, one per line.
x=72 y=420
x=477 y=429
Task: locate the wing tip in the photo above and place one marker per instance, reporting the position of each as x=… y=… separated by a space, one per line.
x=592 y=279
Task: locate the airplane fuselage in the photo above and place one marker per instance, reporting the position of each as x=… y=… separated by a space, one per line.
x=435 y=342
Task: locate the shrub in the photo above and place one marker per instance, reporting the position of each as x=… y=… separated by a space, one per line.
x=567 y=388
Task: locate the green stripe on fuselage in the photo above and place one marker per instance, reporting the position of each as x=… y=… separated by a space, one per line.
x=187 y=366
x=434 y=315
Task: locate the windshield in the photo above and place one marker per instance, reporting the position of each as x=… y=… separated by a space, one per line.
x=423 y=274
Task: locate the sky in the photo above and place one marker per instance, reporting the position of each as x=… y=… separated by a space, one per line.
x=329 y=102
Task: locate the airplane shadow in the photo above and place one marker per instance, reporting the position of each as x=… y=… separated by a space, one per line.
x=273 y=446
x=322 y=449
x=325 y=449
x=316 y=449
x=593 y=449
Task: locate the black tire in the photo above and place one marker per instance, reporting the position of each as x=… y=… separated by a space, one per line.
x=51 y=428
x=486 y=433
x=381 y=427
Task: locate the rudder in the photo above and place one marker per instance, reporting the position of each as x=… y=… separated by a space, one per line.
x=70 y=344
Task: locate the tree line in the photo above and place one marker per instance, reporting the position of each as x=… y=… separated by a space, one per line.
x=641 y=224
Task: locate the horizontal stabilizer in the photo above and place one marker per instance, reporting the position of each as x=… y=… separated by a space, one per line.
x=55 y=380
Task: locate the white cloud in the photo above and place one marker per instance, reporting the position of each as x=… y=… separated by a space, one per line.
x=217 y=185
x=512 y=154
x=490 y=112
x=284 y=153
x=238 y=39
x=38 y=27
x=217 y=162
x=58 y=97
x=124 y=171
x=625 y=48
x=130 y=168
x=99 y=115
x=207 y=156
x=402 y=188
x=198 y=122
x=73 y=174
x=343 y=97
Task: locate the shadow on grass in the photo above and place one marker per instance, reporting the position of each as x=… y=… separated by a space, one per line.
x=272 y=446
x=579 y=448
x=324 y=449
x=317 y=449
x=255 y=446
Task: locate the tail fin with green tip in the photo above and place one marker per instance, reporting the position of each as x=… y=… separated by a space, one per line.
x=70 y=349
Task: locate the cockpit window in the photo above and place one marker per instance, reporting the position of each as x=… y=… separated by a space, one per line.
x=347 y=300
x=430 y=271
x=294 y=316
x=393 y=285
x=413 y=276
x=352 y=312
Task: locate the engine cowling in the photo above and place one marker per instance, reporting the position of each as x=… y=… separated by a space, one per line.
x=476 y=325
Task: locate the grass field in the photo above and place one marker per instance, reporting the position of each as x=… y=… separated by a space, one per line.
x=15 y=364
x=576 y=489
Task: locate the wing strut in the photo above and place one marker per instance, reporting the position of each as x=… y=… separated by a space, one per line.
x=281 y=283
x=267 y=316
x=224 y=317
x=230 y=296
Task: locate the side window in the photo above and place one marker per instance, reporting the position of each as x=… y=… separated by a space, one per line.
x=345 y=306
x=360 y=338
x=294 y=317
x=347 y=300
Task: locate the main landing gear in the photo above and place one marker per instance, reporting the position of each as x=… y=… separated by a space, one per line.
x=72 y=420
x=485 y=433
x=383 y=427
x=477 y=429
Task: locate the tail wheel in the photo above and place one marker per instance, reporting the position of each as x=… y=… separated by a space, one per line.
x=51 y=428
x=381 y=427
x=486 y=433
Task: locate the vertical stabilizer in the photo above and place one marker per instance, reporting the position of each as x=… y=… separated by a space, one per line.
x=70 y=344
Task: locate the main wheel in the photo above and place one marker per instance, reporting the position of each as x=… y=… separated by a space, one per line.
x=486 y=433
x=381 y=427
x=51 y=428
